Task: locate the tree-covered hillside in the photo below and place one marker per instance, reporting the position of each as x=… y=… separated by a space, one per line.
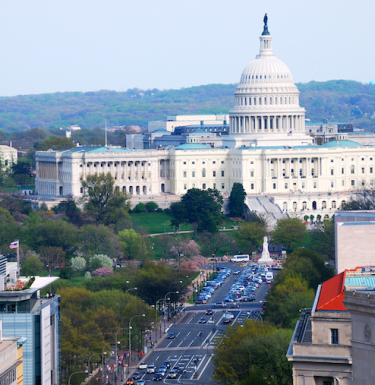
x=338 y=100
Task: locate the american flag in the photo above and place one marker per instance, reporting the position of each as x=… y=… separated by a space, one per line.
x=14 y=245
x=290 y=133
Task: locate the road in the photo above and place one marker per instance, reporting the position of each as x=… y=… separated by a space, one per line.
x=194 y=341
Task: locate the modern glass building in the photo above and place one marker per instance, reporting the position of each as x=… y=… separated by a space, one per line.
x=25 y=313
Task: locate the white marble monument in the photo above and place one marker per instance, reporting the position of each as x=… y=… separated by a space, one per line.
x=265 y=259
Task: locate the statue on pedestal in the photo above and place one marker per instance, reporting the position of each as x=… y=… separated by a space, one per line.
x=265 y=258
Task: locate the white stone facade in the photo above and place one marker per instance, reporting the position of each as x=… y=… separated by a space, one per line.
x=267 y=151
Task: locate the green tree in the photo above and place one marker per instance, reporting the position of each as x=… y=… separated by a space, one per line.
x=251 y=234
x=51 y=233
x=151 y=206
x=133 y=245
x=21 y=171
x=237 y=200
x=323 y=239
x=212 y=242
x=106 y=203
x=289 y=232
x=140 y=208
x=99 y=240
x=55 y=143
x=32 y=266
x=247 y=351
x=70 y=210
x=199 y=206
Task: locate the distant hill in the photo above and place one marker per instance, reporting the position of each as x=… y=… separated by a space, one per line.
x=338 y=100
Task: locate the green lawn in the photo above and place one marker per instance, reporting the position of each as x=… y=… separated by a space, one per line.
x=156 y=222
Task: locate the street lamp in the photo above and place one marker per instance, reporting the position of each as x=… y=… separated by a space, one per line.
x=165 y=300
x=75 y=373
x=93 y=354
x=116 y=360
x=156 y=311
x=133 y=288
x=130 y=337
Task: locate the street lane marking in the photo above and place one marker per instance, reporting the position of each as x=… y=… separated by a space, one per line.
x=208 y=361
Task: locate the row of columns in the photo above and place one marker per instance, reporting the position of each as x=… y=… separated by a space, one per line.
x=133 y=170
x=269 y=124
x=309 y=168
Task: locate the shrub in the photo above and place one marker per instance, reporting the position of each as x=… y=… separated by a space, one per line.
x=152 y=206
x=87 y=275
x=78 y=263
x=140 y=208
x=103 y=272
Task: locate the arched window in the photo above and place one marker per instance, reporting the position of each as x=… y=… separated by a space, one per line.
x=61 y=190
x=294 y=205
x=260 y=101
x=324 y=205
x=204 y=173
x=304 y=205
x=285 y=206
x=271 y=100
x=276 y=100
x=255 y=101
x=333 y=204
x=249 y=101
x=265 y=100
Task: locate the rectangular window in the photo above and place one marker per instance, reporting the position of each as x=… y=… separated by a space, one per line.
x=331 y=171
x=342 y=171
x=185 y=186
x=343 y=183
x=213 y=173
x=185 y=174
x=370 y=170
x=204 y=186
x=352 y=182
x=223 y=186
x=363 y=170
x=214 y=162
x=193 y=185
x=184 y=162
x=192 y=162
x=193 y=174
x=251 y=173
x=286 y=185
x=274 y=186
x=314 y=184
x=332 y=184
x=334 y=336
x=252 y=186
x=222 y=173
x=214 y=185
x=222 y=162
x=327 y=382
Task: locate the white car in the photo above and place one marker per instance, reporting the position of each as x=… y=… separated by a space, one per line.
x=151 y=369
x=210 y=321
x=142 y=365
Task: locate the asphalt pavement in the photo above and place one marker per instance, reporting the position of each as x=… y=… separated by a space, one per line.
x=193 y=344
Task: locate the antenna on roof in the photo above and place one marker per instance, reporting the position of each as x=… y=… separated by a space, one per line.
x=105 y=130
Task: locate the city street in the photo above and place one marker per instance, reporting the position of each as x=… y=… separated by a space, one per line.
x=192 y=347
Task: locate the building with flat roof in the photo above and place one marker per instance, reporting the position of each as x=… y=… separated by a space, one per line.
x=354 y=239
x=27 y=314
x=265 y=148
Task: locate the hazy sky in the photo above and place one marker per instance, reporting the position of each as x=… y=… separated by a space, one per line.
x=87 y=45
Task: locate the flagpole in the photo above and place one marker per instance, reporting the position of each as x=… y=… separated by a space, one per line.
x=18 y=255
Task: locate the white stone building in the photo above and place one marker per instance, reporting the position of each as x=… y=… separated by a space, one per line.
x=267 y=150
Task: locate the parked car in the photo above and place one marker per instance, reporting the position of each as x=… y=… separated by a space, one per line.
x=219 y=304
x=171 y=336
x=142 y=365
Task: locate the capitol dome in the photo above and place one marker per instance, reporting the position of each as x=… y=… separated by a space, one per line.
x=267 y=100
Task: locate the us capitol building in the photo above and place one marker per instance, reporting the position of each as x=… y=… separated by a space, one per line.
x=267 y=150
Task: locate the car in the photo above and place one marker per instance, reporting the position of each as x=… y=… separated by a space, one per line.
x=209 y=312
x=229 y=315
x=158 y=377
x=130 y=381
x=171 y=336
x=202 y=320
x=167 y=364
x=236 y=272
x=162 y=370
x=219 y=304
x=137 y=376
x=227 y=320
x=173 y=373
x=151 y=369
x=211 y=321
x=142 y=365
x=141 y=382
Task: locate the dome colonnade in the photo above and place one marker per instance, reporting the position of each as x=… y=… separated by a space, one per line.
x=266 y=100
